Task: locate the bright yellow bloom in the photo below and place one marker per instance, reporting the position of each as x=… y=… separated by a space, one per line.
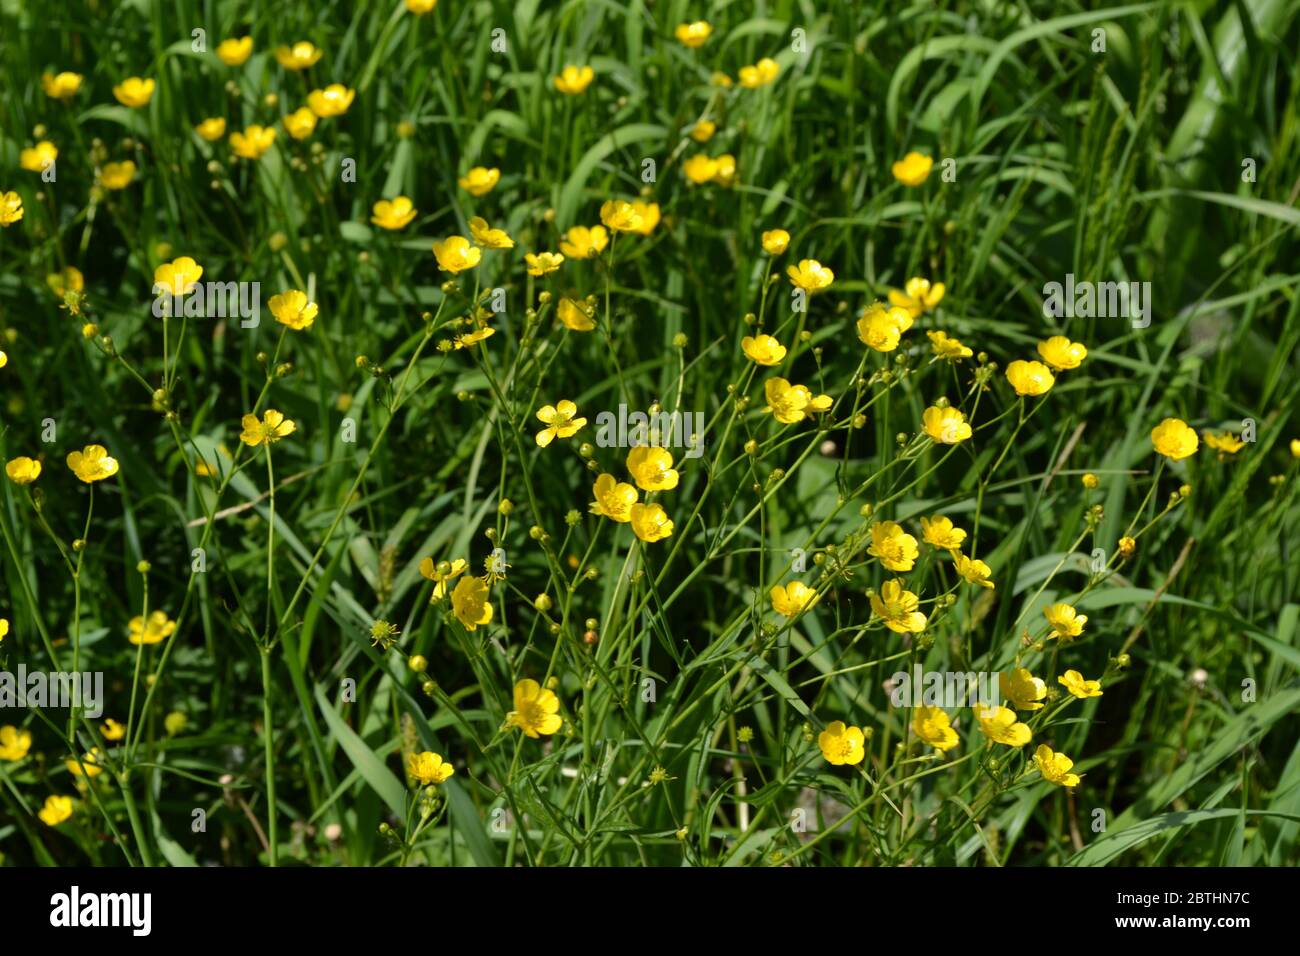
x=39 y=158
x=1126 y=546
x=471 y=602
x=1000 y=725
x=537 y=709
x=1030 y=378
x=117 y=175
x=157 y=628
x=947 y=347
x=23 y=470
x=574 y=315
x=1023 y=689
x=574 y=80
x=113 y=730
x=760 y=74
x=301 y=123
x=932 y=725
x=92 y=464
x=1225 y=444
x=791 y=404
x=14 y=743
x=647 y=213
x=487 y=237
x=178 y=276
x=917 y=296
x=946 y=425
x=294 y=309
x=543 y=263
x=894 y=547
x=1065 y=621
x=1075 y=683
x=810 y=275
x=703 y=130
x=1090 y=481
x=762 y=349
x=235 y=52
x=298 y=57
x=428 y=768
x=940 y=532
x=776 y=241
x=394 y=214
x=881 y=328
x=1295 y=447
x=11 y=208
x=4 y=627
x=62 y=86
x=913 y=169
x=268 y=431
x=897 y=606
x=56 y=810
x=652 y=468
x=441 y=573
x=650 y=523
x=87 y=765
x=693 y=35
x=790 y=600
x=1055 y=767
x=1174 y=439
x=212 y=128
x=842 y=745
x=334 y=100
x=559 y=421
x=480 y=180
x=700 y=169
x=973 y=570
x=1062 y=354
x=455 y=254
x=614 y=499
x=421 y=7
x=253 y=142
x=134 y=92
x=583 y=243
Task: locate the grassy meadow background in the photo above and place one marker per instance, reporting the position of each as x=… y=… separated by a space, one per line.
x=1170 y=157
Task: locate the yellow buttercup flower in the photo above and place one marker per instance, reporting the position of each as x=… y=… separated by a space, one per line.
x=1174 y=439
x=268 y=431
x=583 y=243
x=560 y=422
x=892 y=546
x=393 y=214
x=620 y=216
x=490 y=238
x=882 y=328
x=1030 y=378
x=178 y=276
x=87 y=765
x=56 y=810
x=762 y=349
x=4 y=628
x=700 y=169
x=23 y=470
x=614 y=499
x=537 y=709
x=946 y=426
x=897 y=606
x=455 y=254
x=39 y=158
x=253 y=142
x=1225 y=444
x=1075 y=683
x=1023 y=689
x=1065 y=621
x=11 y=208
x=421 y=7
x=973 y=570
x=61 y=86
x=947 y=347
x=117 y=175
x=113 y=730
x=235 y=52
x=68 y=280
x=693 y=35
x=940 y=532
x=300 y=56
x=158 y=627
x=842 y=745
x=428 y=768
x=1055 y=767
x=917 y=296
x=810 y=275
x=1062 y=354
x=301 y=123
x=760 y=74
x=913 y=169
x=480 y=180
x=471 y=602
x=441 y=573
x=14 y=743
x=134 y=92
x=776 y=241
x=542 y=263
x=334 y=100
x=574 y=315
x=574 y=80
x=1000 y=725
x=92 y=464
x=1126 y=546
x=703 y=130
x=934 y=727
x=1295 y=447
x=648 y=215
x=652 y=468
x=791 y=600
x=650 y=523
x=294 y=309
x=211 y=129
x=791 y=404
